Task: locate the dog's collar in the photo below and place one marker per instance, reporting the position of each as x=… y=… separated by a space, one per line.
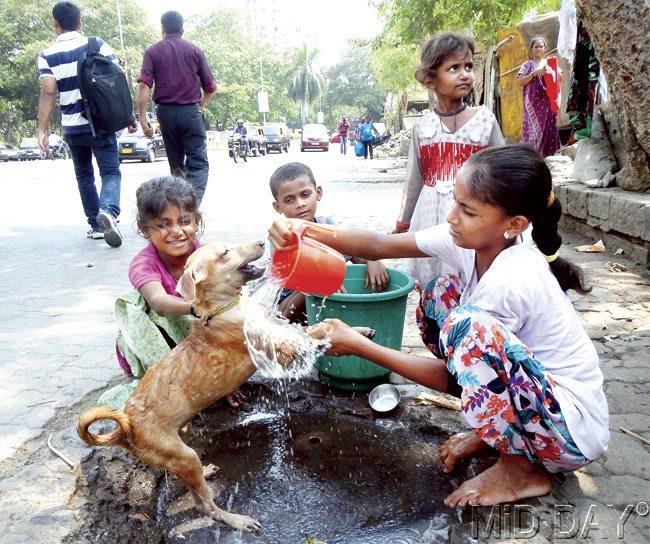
x=207 y=317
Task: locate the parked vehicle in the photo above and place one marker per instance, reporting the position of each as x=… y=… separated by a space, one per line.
x=8 y=154
x=59 y=151
x=29 y=150
x=236 y=149
x=136 y=146
x=314 y=136
x=277 y=137
x=256 y=140
x=336 y=137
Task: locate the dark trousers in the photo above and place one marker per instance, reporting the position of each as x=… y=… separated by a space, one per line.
x=367 y=147
x=183 y=131
x=104 y=148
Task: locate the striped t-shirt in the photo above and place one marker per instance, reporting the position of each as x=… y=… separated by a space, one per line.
x=60 y=61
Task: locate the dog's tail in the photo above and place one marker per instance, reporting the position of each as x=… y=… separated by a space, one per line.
x=118 y=437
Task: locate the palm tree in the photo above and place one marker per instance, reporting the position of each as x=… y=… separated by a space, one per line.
x=306 y=83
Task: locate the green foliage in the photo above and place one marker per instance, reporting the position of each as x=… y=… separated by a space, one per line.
x=235 y=59
x=412 y=21
x=26 y=29
x=305 y=84
x=351 y=87
x=233 y=56
x=394 y=66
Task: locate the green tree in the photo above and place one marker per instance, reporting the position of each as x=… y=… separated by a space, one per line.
x=306 y=84
x=26 y=28
x=351 y=86
x=394 y=67
x=411 y=21
x=235 y=60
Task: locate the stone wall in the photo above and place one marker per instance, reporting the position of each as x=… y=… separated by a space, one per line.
x=620 y=218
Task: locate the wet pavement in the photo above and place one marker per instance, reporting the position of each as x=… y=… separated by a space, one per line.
x=58 y=331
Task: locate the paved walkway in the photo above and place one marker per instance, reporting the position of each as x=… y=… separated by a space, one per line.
x=58 y=329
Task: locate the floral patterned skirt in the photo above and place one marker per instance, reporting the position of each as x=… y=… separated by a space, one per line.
x=507 y=396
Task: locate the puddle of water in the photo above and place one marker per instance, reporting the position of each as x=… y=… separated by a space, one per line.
x=330 y=477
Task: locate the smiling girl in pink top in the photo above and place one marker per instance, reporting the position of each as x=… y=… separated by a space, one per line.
x=169 y=218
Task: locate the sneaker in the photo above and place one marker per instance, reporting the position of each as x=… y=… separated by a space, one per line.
x=112 y=235
x=95 y=234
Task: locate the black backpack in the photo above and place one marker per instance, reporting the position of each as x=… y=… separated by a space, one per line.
x=104 y=90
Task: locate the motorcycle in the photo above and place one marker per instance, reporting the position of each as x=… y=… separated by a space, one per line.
x=59 y=151
x=237 y=148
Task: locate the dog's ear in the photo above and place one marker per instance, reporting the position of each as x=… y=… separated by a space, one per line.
x=186 y=286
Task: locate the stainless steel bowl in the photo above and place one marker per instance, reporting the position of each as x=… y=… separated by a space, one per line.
x=384 y=397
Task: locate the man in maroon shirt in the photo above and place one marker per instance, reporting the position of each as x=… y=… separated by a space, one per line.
x=178 y=71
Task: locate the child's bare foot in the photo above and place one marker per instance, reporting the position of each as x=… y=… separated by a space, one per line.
x=236 y=398
x=460 y=446
x=510 y=479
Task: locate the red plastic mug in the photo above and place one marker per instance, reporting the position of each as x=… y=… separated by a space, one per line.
x=309 y=266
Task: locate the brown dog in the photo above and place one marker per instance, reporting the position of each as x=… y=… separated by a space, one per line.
x=212 y=362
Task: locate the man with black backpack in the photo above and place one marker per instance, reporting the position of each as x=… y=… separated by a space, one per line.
x=70 y=66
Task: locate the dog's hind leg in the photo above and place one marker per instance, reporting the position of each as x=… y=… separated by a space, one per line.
x=186 y=466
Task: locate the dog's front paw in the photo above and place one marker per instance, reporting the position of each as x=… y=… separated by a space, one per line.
x=209 y=471
x=241 y=523
x=366 y=331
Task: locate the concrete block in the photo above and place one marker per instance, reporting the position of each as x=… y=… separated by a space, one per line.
x=598 y=203
x=577 y=201
x=626 y=215
x=561 y=194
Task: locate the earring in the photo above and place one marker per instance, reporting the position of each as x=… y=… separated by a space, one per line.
x=506 y=235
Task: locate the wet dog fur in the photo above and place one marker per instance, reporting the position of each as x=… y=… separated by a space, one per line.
x=210 y=363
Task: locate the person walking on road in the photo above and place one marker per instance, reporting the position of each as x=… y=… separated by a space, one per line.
x=344 y=127
x=178 y=71
x=57 y=67
x=367 y=132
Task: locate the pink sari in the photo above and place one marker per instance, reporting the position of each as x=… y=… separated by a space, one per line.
x=539 y=126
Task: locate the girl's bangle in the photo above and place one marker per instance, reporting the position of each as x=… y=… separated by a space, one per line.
x=193 y=311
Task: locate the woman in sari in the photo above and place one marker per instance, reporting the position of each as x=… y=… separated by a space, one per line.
x=539 y=120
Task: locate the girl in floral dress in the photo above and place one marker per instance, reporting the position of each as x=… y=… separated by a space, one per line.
x=442 y=141
x=503 y=331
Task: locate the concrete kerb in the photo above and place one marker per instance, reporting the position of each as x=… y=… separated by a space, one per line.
x=620 y=218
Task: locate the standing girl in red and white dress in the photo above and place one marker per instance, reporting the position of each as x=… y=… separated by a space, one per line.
x=442 y=141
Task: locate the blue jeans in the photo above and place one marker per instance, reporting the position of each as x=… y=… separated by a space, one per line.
x=82 y=148
x=183 y=131
x=344 y=145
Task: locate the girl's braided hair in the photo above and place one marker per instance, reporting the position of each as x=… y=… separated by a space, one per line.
x=516 y=179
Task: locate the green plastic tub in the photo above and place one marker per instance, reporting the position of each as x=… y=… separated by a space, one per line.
x=384 y=312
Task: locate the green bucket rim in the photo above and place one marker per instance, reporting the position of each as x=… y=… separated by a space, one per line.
x=375 y=297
